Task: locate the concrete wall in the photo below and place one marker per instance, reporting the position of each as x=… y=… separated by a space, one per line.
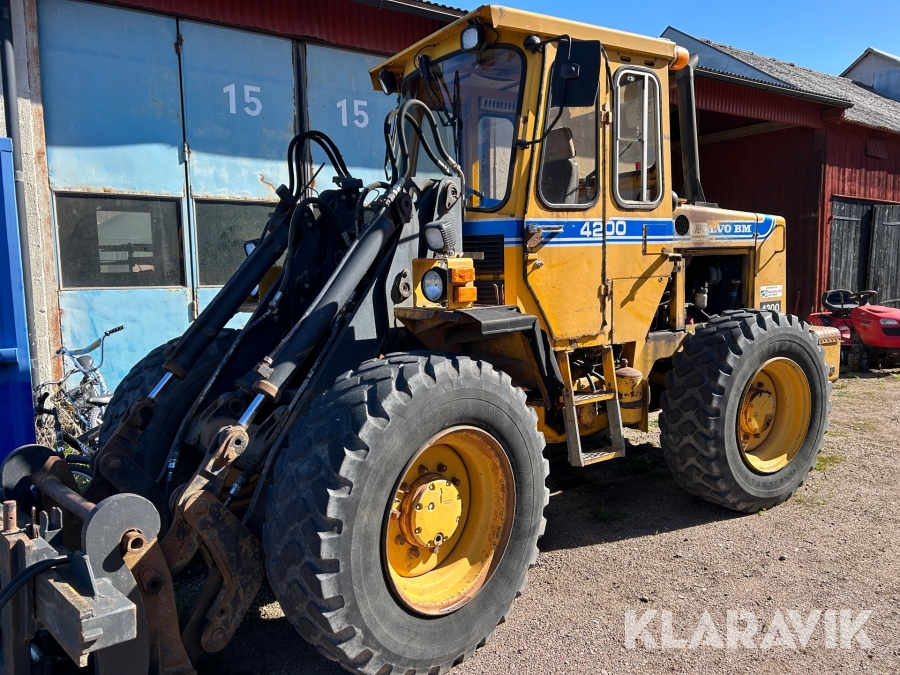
x=37 y=189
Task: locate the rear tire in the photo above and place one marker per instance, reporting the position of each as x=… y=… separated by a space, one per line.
x=155 y=442
x=327 y=517
x=858 y=359
x=701 y=425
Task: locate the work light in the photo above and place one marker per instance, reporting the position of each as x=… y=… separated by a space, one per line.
x=433 y=286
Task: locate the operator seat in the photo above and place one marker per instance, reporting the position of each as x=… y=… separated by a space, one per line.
x=559 y=173
x=839 y=302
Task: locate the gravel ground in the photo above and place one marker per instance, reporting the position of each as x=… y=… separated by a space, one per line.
x=621 y=536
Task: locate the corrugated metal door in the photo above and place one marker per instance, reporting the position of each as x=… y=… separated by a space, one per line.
x=884 y=259
x=342 y=103
x=850 y=232
x=239 y=115
x=112 y=115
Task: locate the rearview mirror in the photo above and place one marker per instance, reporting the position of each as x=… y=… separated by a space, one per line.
x=250 y=245
x=575 y=81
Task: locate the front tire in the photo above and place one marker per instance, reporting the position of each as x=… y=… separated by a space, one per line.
x=156 y=440
x=745 y=409
x=330 y=531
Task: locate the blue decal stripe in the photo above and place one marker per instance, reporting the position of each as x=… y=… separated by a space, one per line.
x=582 y=232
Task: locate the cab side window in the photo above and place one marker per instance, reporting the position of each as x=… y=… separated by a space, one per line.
x=568 y=172
x=638 y=171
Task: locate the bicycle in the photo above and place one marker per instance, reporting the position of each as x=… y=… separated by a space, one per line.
x=80 y=408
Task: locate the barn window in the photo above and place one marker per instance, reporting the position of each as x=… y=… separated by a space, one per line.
x=638 y=131
x=876 y=147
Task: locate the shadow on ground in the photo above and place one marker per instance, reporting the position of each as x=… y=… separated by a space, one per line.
x=620 y=499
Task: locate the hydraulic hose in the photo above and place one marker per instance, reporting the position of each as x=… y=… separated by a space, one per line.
x=201 y=333
x=27 y=575
x=275 y=371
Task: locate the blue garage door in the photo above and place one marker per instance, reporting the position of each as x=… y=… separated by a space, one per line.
x=112 y=114
x=342 y=103
x=152 y=203
x=166 y=140
x=239 y=114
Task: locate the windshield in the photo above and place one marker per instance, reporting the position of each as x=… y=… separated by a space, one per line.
x=475 y=98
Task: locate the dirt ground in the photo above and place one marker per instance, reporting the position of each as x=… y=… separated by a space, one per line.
x=621 y=536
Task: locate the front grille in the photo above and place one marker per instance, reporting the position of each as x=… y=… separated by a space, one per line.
x=490 y=292
x=491 y=245
x=890 y=332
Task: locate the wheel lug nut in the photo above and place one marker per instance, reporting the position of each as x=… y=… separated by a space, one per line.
x=431 y=506
x=455 y=481
x=431 y=487
x=413 y=552
x=423 y=469
x=400 y=541
x=418 y=530
x=448 y=482
x=395 y=514
x=418 y=507
x=442 y=468
x=404 y=487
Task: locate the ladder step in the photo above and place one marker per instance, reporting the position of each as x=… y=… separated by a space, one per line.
x=594 y=456
x=593 y=397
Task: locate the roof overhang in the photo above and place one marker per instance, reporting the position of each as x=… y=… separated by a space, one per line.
x=429 y=10
x=766 y=86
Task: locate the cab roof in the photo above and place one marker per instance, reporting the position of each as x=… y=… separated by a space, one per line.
x=538 y=24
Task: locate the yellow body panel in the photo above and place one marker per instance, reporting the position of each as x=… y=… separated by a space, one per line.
x=595 y=275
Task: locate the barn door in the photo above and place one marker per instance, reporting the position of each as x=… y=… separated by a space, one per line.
x=849 y=254
x=884 y=258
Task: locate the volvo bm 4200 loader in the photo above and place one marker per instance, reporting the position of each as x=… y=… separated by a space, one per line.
x=372 y=439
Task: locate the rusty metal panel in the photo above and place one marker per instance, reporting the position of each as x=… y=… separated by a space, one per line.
x=338 y=22
x=851 y=221
x=884 y=257
x=732 y=99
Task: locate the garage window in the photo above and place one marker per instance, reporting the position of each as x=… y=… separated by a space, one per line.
x=638 y=130
x=222 y=229
x=119 y=242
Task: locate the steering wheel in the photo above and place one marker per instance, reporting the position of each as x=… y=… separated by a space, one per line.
x=865 y=297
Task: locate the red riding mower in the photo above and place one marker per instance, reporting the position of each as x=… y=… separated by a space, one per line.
x=870 y=333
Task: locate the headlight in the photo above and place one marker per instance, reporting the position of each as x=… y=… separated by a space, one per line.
x=433 y=286
x=471 y=38
x=889 y=322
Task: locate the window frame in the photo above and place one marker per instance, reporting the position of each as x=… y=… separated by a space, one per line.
x=614 y=175
x=516 y=117
x=597 y=164
x=196 y=229
x=182 y=231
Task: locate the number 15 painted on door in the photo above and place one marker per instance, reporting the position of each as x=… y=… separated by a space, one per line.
x=232 y=107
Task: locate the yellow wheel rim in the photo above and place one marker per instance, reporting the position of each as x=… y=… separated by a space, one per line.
x=448 y=522
x=774 y=415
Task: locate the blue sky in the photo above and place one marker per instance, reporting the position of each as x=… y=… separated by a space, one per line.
x=826 y=35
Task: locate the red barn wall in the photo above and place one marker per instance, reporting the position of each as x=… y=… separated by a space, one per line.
x=337 y=22
x=850 y=172
x=779 y=173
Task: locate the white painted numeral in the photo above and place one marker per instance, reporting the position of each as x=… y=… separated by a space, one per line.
x=362 y=117
x=232 y=103
x=230 y=91
x=257 y=104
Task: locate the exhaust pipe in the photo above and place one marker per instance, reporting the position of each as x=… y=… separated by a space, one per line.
x=687 y=127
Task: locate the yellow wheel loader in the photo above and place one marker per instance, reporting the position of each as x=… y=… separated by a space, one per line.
x=372 y=439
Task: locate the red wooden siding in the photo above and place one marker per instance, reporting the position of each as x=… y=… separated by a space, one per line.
x=779 y=173
x=338 y=22
x=733 y=99
x=851 y=172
